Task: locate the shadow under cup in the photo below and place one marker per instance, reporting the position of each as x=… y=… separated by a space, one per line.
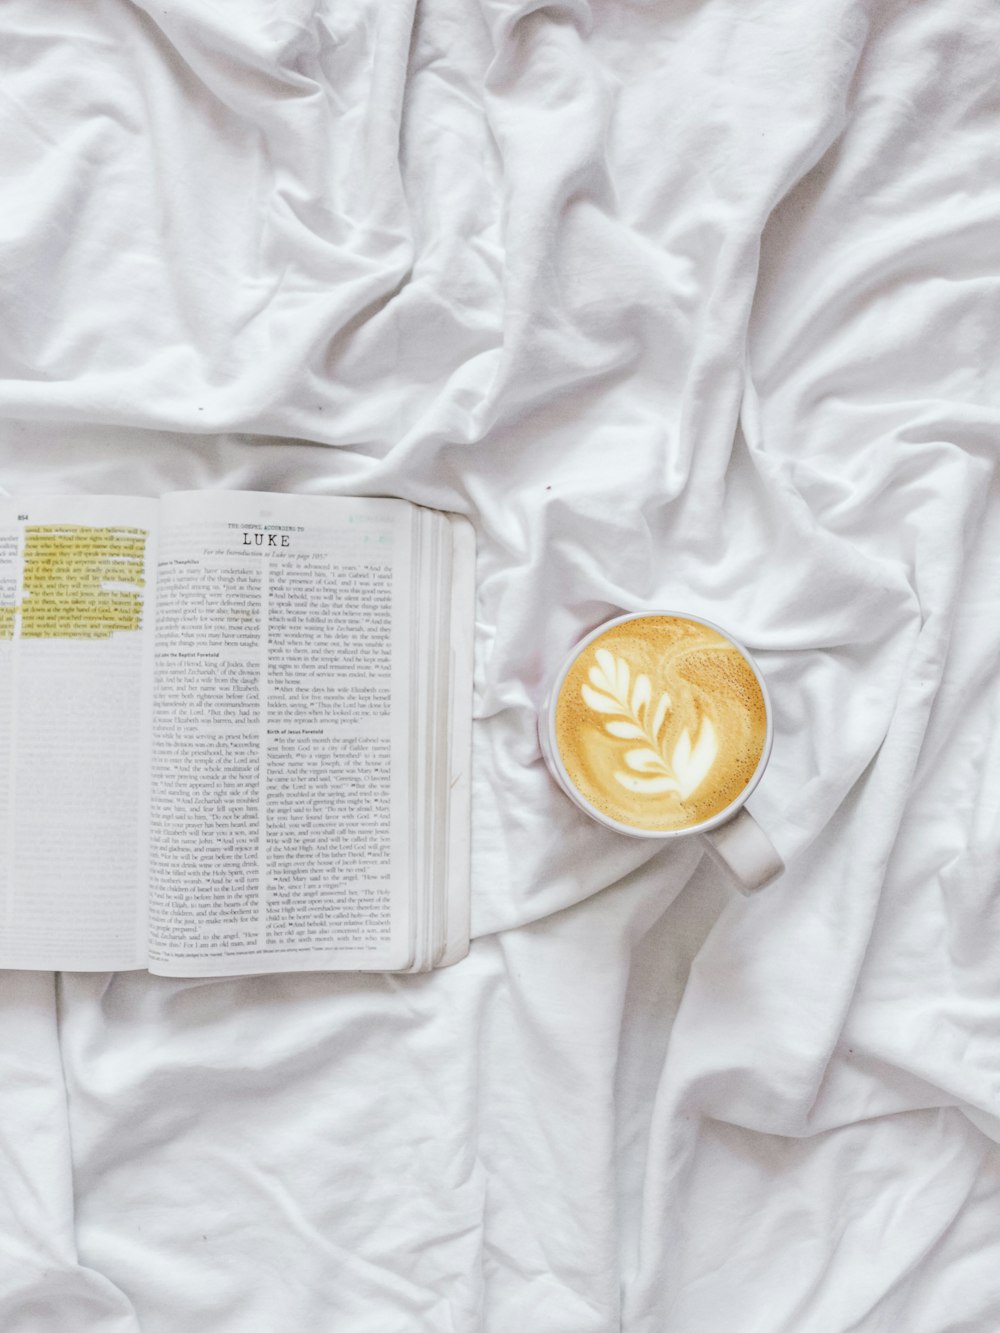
x=629 y=713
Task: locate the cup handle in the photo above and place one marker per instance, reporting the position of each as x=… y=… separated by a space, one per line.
x=743 y=848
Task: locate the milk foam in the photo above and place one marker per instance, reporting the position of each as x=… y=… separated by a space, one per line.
x=660 y=722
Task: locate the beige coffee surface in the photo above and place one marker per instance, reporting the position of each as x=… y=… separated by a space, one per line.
x=660 y=723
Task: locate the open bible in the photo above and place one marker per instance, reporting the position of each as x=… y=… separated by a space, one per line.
x=234 y=733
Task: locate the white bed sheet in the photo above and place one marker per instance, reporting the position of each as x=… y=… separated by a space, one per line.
x=685 y=304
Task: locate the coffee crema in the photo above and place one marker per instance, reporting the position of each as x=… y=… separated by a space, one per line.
x=660 y=723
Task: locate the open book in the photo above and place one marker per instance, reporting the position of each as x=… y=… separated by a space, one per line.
x=234 y=733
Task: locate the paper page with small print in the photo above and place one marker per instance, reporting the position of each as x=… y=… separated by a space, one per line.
x=76 y=640
x=281 y=739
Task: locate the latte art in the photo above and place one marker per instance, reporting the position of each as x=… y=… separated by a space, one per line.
x=660 y=722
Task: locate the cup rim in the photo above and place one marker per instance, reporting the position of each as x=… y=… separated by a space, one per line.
x=570 y=788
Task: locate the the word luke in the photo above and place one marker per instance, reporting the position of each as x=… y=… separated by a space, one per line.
x=266 y=539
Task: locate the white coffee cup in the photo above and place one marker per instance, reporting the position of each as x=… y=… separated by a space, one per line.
x=732 y=836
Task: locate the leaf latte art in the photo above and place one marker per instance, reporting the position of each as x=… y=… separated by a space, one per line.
x=660 y=722
x=652 y=770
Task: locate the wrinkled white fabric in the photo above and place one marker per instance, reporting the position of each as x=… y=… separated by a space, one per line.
x=686 y=305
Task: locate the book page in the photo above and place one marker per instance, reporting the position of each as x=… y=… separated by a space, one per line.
x=441 y=632
x=462 y=600
x=76 y=605
x=279 y=828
